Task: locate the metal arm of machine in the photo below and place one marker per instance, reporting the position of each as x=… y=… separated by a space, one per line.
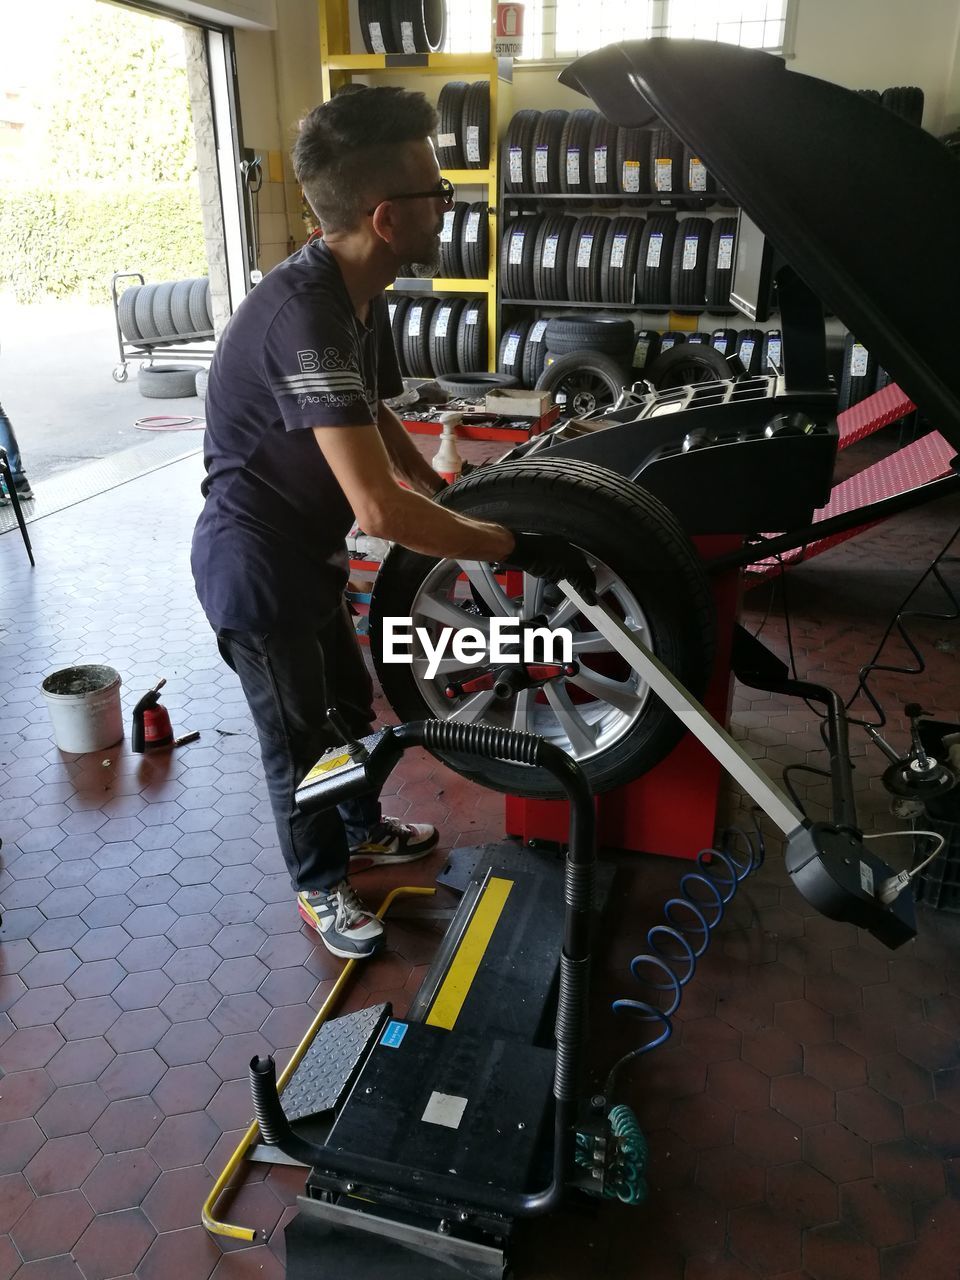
x=345 y=777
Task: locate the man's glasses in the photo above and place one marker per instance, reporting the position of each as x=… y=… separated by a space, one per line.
x=444 y=190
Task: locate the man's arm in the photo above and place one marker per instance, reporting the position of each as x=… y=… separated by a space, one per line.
x=408 y=462
x=359 y=459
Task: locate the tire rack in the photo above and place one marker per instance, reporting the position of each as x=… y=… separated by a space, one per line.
x=337 y=67
x=197 y=346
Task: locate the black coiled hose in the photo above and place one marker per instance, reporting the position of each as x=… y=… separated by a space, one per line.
x=483 y=740
x=675 y=947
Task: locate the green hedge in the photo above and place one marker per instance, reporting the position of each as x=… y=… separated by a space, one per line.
x=66 y=242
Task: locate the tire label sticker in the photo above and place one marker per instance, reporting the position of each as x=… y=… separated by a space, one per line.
x=472 y=233
x=445 y=1109
x=663 y=174
x=516 y=164
x=392 y=308
x=640 y=352
x=510 y=350
x=695 y=338
x=540 y=163
x=473 y=143
x=667 y=341
x=446 y=139
x=515 y=256
x=549 y=257
x=866 y=878
x=631 y=175
x=690 y=244
x=443 y=321
x=585 y=250
x=619 y=250
x=697 y=175
x=774 y=349
x=406 y=37
x=537 y=332
x=746 y=351
x=413 y=323
x=859 y=359
x=471 y=317
x=654 y=249
x=446 y=233
x=376 y=38
x=573 y=166
x=725 y=253
x=600 y=164
x=720 y=344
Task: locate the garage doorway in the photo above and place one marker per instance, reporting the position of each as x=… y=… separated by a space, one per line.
x=120 y=148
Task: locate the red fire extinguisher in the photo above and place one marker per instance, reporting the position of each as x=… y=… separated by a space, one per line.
x=151 y=722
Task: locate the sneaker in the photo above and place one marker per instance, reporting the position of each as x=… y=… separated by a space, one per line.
x=344 y=924
x=24 y=492
x=393 y=841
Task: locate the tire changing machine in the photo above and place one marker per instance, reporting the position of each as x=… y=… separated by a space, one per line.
x=428 y=1138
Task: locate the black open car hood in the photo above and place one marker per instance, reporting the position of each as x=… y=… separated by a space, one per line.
x=863 y=205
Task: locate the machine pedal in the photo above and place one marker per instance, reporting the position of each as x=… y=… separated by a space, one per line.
x=330 y=1064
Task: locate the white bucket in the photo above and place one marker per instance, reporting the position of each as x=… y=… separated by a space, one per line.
x=84 y=705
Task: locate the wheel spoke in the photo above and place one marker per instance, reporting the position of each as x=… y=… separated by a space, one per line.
x=532 y=596
x=578 y=732
x=621 y=694
x=523 y=712
x=472 y=710
x=445 y=667
x=483 y=580
x=441 y=610
x=566 y=609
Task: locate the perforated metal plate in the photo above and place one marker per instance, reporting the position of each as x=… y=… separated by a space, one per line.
x=328 y=1065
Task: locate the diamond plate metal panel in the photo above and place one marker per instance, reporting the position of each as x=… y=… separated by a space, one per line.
x=328 y=1065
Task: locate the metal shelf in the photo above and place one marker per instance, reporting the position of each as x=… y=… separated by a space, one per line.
x=609 y=306
x=443 y=64
x=479 y=284
x=623 y=197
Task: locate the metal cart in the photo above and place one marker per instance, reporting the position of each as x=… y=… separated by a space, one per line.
x=172 y=317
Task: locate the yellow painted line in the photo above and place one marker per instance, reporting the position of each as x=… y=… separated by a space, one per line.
x=456 y=985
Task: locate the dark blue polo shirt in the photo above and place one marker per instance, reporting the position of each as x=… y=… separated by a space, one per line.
x=269 y=547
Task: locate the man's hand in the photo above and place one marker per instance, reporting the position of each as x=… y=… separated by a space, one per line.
x=547 y=556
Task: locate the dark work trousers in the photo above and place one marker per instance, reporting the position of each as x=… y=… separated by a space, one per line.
x=290 y=677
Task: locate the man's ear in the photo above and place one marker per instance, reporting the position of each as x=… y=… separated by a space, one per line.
x=383 y=222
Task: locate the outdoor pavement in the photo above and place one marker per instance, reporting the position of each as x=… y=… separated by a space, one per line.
x=56 y=385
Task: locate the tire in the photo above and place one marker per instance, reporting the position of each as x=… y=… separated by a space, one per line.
x=672 y=338
x=602 y=160
x=450 y=110
x=200 y=382
x=143 y=313
x=633 y=162
x=905 y=101
x=126 y=307
x=180 y=307
x=585 y=258
x=750 y=351
x=655 y=577
x=574 y=152
x=618 y=265
x=472 y=335
x=444 y=326
x=724 y=341
x=655 y=259
x=419 y=26
x=208 y=305
x=517 y=253
x=720 y=261
x=376 y=27
x=773 y=351
x=397 y=304
x=167 y=381
x=474 y=385
x=451 y=241
x=687 y=365
x=163 y=310
x=547 y=137
x=582 y=382
x=517 y=163
x=475 y=127
x=666 y=162
x=696 y=179
x=607 y=334
x=512 y=347
x=416 y=336
x=475 y=241
x=688 y=272
x=534 y=353
x=859 y=373
x=645 y=351
x=873 y=95
x=198 y=305
x=550 y=255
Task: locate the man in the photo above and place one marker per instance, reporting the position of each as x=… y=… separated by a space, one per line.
x=298 y=443
x=8 y=441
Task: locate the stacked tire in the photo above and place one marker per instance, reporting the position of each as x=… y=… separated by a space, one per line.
x=173 y=309
x=463 y=134
x=435 y=335
x=403 y=26
x=588 y=361
x=464 y=241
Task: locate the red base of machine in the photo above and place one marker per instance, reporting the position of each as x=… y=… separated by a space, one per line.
x=672 y=809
